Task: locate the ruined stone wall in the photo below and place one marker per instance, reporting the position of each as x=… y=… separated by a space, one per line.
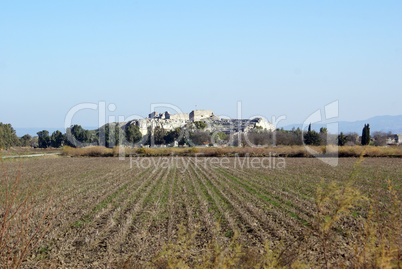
x=197 y=115
x=180 y=116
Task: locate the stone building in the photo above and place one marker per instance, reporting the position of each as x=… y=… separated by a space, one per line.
x=160 y=116
x=197 y=115
x=169 y=122
x=395 y=139
x=154 y=115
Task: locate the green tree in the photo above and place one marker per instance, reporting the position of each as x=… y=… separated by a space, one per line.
x=34 y=142
x=113 y=135
x=312 y=137
x=342 y=140
x=222 y=136
x=109 y=135
x=155 y=136
x=104 y=135
x=8 y=137
x=76 y=135
x=149 y=136
x=200 y=138
x=323 y=135
x=133 y=133
x=366 y=135
x=172 y=135
x=200 y=125
x=298 y=132
x=25 y=140
x=159 y=134
x=57 y=139
x=43 y=139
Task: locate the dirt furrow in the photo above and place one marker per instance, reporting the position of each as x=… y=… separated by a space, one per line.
x=127 y=237
x=273 y=196
x=279 y=185
x=99 y=250
x=172 y=203
x=78 y=233
x=219 y=203
x=270 y=220
x=109 y=217
x=290 y=183
x=245 y=211
x=155 y=213
x=81 y=204
x=211 y=225
x=188 y=201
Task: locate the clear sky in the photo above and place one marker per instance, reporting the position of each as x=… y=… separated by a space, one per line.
x=276 y=57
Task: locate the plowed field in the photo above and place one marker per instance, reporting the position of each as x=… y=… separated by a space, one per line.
x=114 y=212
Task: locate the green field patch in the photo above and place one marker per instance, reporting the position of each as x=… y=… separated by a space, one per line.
x=87 y=218
x=109 y=199
x=87 y=174
x=211 y=202
x=283 y=206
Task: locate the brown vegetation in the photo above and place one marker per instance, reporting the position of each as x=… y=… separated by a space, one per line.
x=22 y=224
x=199 y=213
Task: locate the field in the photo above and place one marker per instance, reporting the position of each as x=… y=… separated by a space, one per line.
x=207 y=211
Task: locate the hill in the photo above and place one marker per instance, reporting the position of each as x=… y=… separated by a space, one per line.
x=386 y=124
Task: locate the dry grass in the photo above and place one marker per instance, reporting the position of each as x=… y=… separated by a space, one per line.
x=370 y=151
x=182 y=253
x=16 y=151
x=91 y=151
x=21 y=228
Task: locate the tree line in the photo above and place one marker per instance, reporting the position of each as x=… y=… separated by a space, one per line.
x=193 y=134
x=75 y=135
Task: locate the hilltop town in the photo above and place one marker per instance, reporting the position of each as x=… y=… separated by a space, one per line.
x=213 y=123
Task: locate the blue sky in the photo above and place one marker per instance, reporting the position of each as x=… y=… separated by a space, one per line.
x=276 y=57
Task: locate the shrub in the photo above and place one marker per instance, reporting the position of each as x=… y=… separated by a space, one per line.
x=141 y=151
x=91 y=151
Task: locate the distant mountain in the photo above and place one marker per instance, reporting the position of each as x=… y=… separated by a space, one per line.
x=386 y=124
